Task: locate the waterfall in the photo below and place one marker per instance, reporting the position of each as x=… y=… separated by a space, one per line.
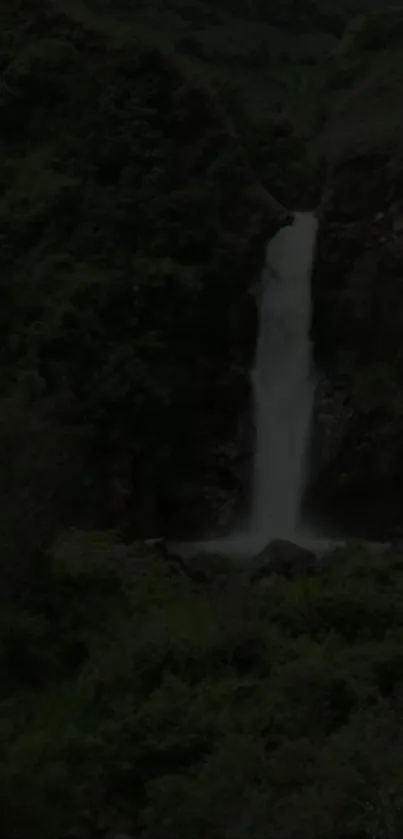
x=283 y=381
x=283 y=387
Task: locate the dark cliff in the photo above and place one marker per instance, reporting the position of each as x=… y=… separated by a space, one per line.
x=358 y=286
x=132 y=229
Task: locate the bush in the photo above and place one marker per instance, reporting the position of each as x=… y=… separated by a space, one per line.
x=139 y=700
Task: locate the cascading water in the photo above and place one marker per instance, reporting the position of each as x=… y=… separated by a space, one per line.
x=283 y=385
x=283 y=381
x=283 y=393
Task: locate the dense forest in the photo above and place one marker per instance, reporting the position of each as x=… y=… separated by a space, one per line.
x=148 y=152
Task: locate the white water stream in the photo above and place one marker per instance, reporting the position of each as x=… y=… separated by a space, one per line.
x=283 y=382
x=283 y=388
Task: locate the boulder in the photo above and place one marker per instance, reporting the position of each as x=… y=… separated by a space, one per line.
x=283 y=559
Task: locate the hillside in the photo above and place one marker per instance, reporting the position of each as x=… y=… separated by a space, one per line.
x=132 y=227
x=133 y=222
x=148 y=152
x=139 y=702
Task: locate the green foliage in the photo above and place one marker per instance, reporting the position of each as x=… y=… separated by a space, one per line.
x=129 y=237
x=125 y=243
x=134 y=700
x=137 y=701
x=362 y=84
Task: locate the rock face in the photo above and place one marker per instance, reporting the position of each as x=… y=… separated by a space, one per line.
x=133 y=247
x=358 y=284
x=283 y=559
x=358 y=329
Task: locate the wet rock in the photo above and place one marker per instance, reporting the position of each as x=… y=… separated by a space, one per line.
x=357 y=479
x=281 y=558
x=332 y=414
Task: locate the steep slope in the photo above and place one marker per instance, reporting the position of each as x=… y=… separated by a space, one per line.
x=358 y=284
x=132 y=228
x=140 y=695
